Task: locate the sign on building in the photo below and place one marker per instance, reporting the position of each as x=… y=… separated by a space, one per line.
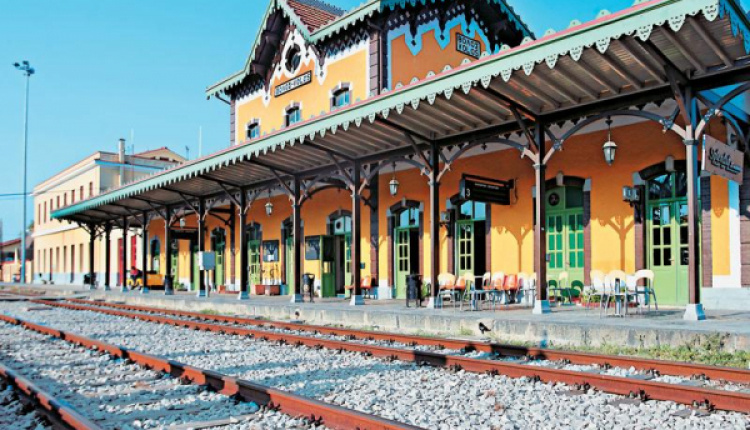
x=485 y=190
x=722 y=160
x=468 y=46
x=293 y=84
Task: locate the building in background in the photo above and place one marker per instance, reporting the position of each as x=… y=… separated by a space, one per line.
x=10 y=260
x=61 y=247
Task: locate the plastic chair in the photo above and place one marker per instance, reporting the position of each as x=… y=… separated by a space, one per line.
x=596 y=289
x=447 y=285
x=647 y=290
x=615 y=287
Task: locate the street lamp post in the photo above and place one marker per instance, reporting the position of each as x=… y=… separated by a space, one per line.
x=27 y=70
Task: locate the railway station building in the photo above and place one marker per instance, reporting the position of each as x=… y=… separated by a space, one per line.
x=444 y=137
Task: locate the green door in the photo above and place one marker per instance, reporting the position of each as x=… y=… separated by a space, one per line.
x=667 y=226
x=174 y=255
x=218 y=245
x=289 y=263
x=328 y=266
x=403 y=260
x=565 y=245
x=253 y=254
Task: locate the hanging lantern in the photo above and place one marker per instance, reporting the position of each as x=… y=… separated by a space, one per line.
x=394 y=182
x=269 y=205
x=610 y=147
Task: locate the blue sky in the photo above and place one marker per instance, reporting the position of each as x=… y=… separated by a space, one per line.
x=107 y=69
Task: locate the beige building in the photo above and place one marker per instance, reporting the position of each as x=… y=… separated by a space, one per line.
x=10 y=260
x=61 y=248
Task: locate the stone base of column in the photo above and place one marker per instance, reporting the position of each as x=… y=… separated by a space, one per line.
x=694 y=313
x=243 y=295
x=124 y=289
x=92 y=287
x=201 y=293
x=106 y=288
x=145 y=290
x=434 y=303
x=169 y=292
x=357 y=301
x=541 y=307
x=297 y=298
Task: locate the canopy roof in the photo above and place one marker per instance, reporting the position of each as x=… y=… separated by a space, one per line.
x=616 y=61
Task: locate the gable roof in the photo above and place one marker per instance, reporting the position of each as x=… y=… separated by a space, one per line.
x=317 y=20
x=314 y=13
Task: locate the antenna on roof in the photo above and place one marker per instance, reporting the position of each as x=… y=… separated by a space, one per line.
x=187 y=152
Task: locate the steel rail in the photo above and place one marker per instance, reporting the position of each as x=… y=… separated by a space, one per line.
x=60 y=415
x=331 y=416
x=644 y=389
x=663 y=367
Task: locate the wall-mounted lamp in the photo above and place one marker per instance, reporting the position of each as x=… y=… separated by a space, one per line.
x=394 y=184
x=269 y=205
x=610 y=147
x=182 y=222
x=631 y=195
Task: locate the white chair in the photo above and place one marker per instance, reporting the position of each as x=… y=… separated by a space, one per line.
x=527 y=287
x=647 y=291
x=615 y=287
x=596 y=289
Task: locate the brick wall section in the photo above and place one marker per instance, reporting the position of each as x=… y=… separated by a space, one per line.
x=232 y=128
x=745 y=226
x=587 y=238
x=706 y=248
x=374 y=227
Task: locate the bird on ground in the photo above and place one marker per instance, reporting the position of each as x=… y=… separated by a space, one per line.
x=296 y=314
x=483 y=328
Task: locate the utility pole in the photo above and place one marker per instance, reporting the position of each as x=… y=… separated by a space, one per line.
x=27 y=70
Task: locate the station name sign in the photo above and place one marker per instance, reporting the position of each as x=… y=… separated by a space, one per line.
x=468 y=46
x=722 y=160
x=292 y=84
x=485 y=190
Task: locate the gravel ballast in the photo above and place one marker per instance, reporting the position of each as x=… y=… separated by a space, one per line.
x=423 y=396
x=116 y=394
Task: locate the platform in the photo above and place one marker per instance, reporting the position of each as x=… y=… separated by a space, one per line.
x=565 y=326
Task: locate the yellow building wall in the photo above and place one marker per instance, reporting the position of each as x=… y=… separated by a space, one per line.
x=720 y=218
x=314 y=98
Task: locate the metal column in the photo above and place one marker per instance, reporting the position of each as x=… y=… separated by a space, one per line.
x=356 y=246
x=107 y=257
x=168 y=281
x=144 y=255
x=297 y=232
x=92 y=238
x=434 y=225
x=694 y=310
x=125 y=269
x=244 y=260
x=201 y=245
x=541 y=304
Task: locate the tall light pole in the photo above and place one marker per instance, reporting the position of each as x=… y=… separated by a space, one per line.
x=27 y=70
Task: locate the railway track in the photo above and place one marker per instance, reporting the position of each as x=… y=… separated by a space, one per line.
x=119 y=388
x=689 y=370
x=639 y=385
x=26 y=406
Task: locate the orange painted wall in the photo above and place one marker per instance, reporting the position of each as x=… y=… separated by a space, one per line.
x=432 y=58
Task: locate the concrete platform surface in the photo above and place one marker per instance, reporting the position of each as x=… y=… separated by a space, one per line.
x=566 y=325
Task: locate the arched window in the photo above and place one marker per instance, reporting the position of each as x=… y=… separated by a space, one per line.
x=293 y=115
x=340 y=97
x=253 y=129
x=155 y=255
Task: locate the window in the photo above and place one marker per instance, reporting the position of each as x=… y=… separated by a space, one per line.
x=408 y=218
x=80 y=194
x=253 y=130
x=293 y=58
x=72 y=196
x=45 y=213
x=65 y=199
x=293 y=115
x=91 y=189
x=341 y=97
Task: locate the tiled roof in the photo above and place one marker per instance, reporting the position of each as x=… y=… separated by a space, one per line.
x=315 y=13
